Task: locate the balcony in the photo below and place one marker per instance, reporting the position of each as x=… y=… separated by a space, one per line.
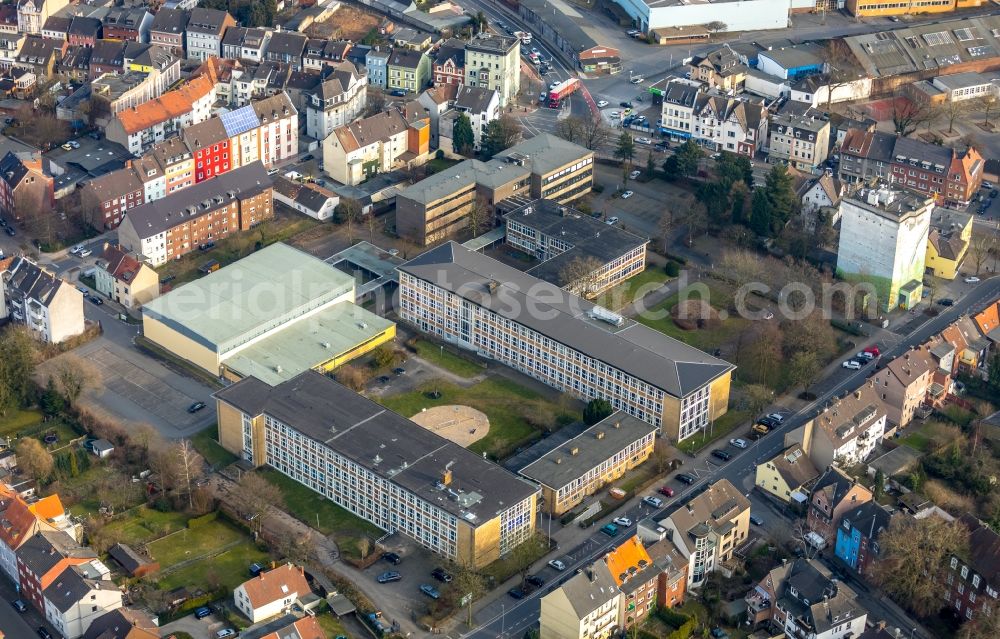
x=757 y=603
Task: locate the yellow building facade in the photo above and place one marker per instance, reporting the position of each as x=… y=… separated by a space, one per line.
x=875 y=8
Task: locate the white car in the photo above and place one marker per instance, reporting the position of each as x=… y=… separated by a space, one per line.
x=768 y=315
x=627 y=194
x=643 y=140
x=655 y=502
x=623 y=521
x=637 y=79
x=972 y=280
x=777 y=417
x=852 y=365
x=602 y=103
x=558 y=565
x=85 y=253
x=614 y=115
x=634 y=175
x=76 y=249
x=738 y=443
x=611 y=221
x=865 y=355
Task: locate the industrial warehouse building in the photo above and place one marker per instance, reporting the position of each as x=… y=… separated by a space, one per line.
x=273 y=315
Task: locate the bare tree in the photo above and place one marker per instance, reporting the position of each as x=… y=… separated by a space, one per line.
x=908 y=116
x=73 y=375
x=952 y=110
x=189 y=466
x=716 y=26
x=471 y=584
x=986 y=104
x=33 y=459
x=372 y=222
x=347 y=212
x=254 y=495
x=841 y=68
x=374 y=101
x=664 y=225
x=571 y=129
x=594 y=133
x=981 y=247
x=581 y=275
x=479 y=214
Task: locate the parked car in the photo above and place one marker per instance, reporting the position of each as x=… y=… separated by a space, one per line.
x=666 y=490
x=392 y=558
x=873 y=350
x=684 y=478
x=627 y=194
x=206 y=246
x=10 y=231
x=777 y=418
x=95 y=300
x=972 y=280
x=623 y=521
x=73 y=251
x=202 y=612
x=535 y=580
x=852 y=364
x=430 y=591
x=718 y=453
x=195 y=407
x=44 y=633
x=609 y=529
x=399 y=370
x=738 y=443
x=601 y=104
x=865 y=355
x=946 y=301
x=655 y=502
x=626 y=104
x=388 y=577
x=85 y=252
x=719 y=633
x=19 y=605
x=557 y=565
x=225 y=632
x=80 y=287
x=517 y=593
x=994 y=193
x=643 y=141
x=634 y=175
x=611 y=221
x=398 y=93
x=755 y=520
x=67 y=147
x=441 y=575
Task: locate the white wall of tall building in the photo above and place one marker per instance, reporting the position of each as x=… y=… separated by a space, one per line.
x=857 y=90
x=742 y=15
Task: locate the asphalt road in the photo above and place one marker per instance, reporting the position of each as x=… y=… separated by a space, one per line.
x=510 y=618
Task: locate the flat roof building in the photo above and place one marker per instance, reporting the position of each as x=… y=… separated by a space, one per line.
x=563 y=340
x=272 y=315
x=585 y=464
x=379 y=465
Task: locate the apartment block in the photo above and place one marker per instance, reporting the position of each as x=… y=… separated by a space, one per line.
x=858 y=534
x=167 y=29
x=588 y=606
x=139 y=128
x=26 y=184
x=206 y=212
x=591 y=460
x=833 y=495
x=563 y=239
x=802 y=140
x=31 y=296
x=585 y=350
x=379 y=466
x=637 y=576
x=713 y=119
x=395 y=138
x=846 y=431
x=708 y=529
x=904 y=384
x=449 y=63
x=788 y=476
x=494 y=62
x=124 y=279
x=408 y=70
x=972 y=581
x=338 y=100
x=203 y=35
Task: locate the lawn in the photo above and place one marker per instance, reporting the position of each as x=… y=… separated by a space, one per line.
x=637 y=286
x=17 y=420
x=722 y=427
x=192 y=543
x=143 y=524
x=331 y=625
x=517 y=415
x=321 y=513
x=30 y=423
x=707 y=339
x=229 y=569
x=927 y=436
x=440 y=356
x=207 y=446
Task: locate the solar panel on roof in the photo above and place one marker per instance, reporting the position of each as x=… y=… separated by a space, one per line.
x=978 y=52
x=239 y=121
x=964 y=35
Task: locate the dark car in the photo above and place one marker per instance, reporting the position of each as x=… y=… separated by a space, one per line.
x=383 y=379
x=769 y=421
x=392 y=558
x=626 y=104
x=946 y=302
x=95 y=300
x=399 y=371
x=535 y=581
x=441 y=575
x=994 y=193
x=398 y=93
x=168 y=279
x=202 y=612
x=195 y=407
x=43 y=633
x=516 y=593
x=306 y=158
x=19 y=605
x=430 y=591
x=666 y=490
x=685 y=479
x=206 y=246
x=721 y=454
x=389 y=577
x=10 y=231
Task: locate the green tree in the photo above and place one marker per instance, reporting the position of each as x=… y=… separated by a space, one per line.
x=625 y=149
x=803 y=368
x=994 y=369
x=51 y=402
x=879 y=490
x=731 y=168
x=18 y=352
x=596 y=410
x=74 y=465
x=715 y=197
x=650 y=165
x=33 y=459
x=500 y=135
x=684 y=162
x=463 y=138
x=760 y=213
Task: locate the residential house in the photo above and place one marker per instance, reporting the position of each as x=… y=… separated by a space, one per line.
x=947 y=242
x=858 y=533
x=286 y=47
x=126 y=623
x=802 y=140
x=385 y=141
x=296 y=628
x=57 y=27
x=84 y=32
x=32 y=14
x=8 y=19
x=245 y=43
x=970 y=350
x=141 y=127
x=834 y=494
x=336 y=101
x=77 y=597
x=167 y=29
x=588 y=606
x=973 y=580
x=108 y=56
x=822 y=194
x=708 y=529
x=481 y=106
x=315 y=201
x=408 y=70
x=10 y=48
x=988 y=322
x=75 y=62
x=866 y=155
x=26 y=185
x=948 y=175
x=203 y=34
x=127 y=23
x=49 y=306
x=637 y=577
x=105 y=199
x=437 y=101
x=802 y=599
x=125 y=279
x=494 y=62
x=321 y=53
x=377 y=63
x=788 y=477
x=206 y=212
x=19 y=523
x=40 y=55
x=904 y=384
x=275 y=127
x=677 y=111
x=585 y=464
x=272 y=592
x=671 y=583
x=43 y=557
x=846 y=431
x=723 y=123
x=721 y=69
x=449 y=63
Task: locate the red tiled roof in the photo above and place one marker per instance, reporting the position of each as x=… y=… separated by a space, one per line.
x=171 y=104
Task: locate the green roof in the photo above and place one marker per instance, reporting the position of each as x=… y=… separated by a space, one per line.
x=308 y=343
x=251 y=297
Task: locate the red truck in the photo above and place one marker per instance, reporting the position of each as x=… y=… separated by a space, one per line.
x=561 y=91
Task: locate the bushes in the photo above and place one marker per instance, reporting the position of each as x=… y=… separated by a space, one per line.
x=596 y=410
x=353 y=377
x=197 y=522
x=685 y=631
x=854 y=328
x=672 y=269
x=386 y=357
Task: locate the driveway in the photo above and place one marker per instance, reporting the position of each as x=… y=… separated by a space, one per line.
x=197 y=628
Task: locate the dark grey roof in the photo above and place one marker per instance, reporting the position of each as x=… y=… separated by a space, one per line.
x=33 y=282
x=385 y=443
x=473 y=99
x=118 y=623
x=452 y=49
x=870 y=518
x=170 y=21
x=286 y=44
x=590 y=589
x=593 y=446
x=668 y=364
x=70 y=587
x=406 y=58
x=129 y=559
x=803 y=55
x=681 y=93
x=155 y=217
x=125 y=17
x=206 y=20
x=12 y=169
x=84 y=26
x=44 y=550
x=59 y=24
x=108 y=53
x=906 y=149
